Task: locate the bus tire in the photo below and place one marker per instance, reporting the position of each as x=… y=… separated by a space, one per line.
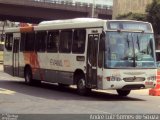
x=81 y=87
x=28 y=76
x=123 y=92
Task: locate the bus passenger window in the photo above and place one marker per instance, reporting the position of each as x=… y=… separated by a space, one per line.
x=22 y=43
x=65 y=41
x=9 y=42
x=41 y=38
x=79 y=38
x=53 y=41
x=29 y=41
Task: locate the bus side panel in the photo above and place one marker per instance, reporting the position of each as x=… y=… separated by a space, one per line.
x=50 y=75
x=48 y=67
x=69 y=65
x=31 y=59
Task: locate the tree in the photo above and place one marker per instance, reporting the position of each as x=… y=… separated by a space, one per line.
x=153 y=15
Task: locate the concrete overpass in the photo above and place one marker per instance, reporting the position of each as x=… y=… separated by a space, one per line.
x=34 y=11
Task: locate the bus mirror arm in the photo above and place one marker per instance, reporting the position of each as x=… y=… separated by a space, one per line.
x=89 y=63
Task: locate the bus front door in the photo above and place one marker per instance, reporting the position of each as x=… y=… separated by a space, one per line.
x=16 y=56
x=92 y=60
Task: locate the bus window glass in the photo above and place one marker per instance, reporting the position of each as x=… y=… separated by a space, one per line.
x=9 y=42
x=41 y=38
x=52 y=41
x=79 y=37
x=22 y=43
x=29 y=41
x=65 y=41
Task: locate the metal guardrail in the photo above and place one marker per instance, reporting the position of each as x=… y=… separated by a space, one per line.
x=64 y=5
x=74 y=3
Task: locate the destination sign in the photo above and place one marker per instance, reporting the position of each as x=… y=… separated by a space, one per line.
x=129 y=25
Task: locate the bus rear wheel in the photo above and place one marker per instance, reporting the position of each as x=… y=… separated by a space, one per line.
x=28 y=76
x=123 y=92
x=81 y=87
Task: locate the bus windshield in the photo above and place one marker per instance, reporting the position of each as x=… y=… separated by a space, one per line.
x=129 y=49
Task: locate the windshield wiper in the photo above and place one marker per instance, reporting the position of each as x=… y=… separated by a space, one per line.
x=134 y=55
x=138 y=43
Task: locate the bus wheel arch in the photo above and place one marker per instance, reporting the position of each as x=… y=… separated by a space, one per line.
x=78 y=73
x=80 y=81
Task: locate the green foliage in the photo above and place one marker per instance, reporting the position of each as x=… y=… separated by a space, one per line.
x=153 y=15
x=132 y=16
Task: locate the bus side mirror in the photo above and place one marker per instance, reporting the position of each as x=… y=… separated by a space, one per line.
x=102 y=41
x=101 y=50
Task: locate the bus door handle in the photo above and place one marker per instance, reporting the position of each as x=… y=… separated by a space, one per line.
x=93 y=67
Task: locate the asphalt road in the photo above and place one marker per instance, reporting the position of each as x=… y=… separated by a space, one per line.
x=19 y=98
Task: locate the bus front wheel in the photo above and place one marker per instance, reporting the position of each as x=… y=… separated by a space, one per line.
x=123 y=92
x=81 y=87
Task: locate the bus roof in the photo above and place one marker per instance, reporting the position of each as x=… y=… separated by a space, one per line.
x=78 y=23
x=10 y=30
x=82 y=20
x=76 y=20
x=68 y=24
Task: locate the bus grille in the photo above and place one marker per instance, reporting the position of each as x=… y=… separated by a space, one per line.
x=134 y=79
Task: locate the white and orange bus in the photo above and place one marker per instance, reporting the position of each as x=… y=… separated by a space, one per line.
x=87 y=52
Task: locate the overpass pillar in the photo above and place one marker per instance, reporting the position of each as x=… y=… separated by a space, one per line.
x=95 y=14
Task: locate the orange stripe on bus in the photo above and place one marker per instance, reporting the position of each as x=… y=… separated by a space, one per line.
x=158 y=72
x=31 y=58
x=158 y=77
x=27 y=29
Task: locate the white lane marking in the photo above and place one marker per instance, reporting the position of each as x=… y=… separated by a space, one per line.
x=5 y=91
